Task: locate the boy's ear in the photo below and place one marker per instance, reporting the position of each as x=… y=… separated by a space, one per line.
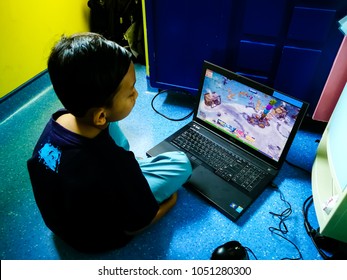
x=99 y=117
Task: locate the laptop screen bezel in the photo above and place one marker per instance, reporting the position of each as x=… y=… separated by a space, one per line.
x=257 y=86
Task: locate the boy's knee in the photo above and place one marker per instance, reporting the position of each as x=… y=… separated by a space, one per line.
x=166 y=173
x=183 y=162
x=180 y=157
x=168 y=165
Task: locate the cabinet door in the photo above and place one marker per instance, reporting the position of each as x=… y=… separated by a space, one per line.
x=286 y=44
x=289 y=45
x=181 y=34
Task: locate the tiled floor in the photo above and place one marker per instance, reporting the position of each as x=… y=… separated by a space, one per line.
x=190 y=231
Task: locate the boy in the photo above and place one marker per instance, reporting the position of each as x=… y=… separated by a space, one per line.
x=90 y=190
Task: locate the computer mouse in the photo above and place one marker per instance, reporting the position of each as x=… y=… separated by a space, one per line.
x=231 y=250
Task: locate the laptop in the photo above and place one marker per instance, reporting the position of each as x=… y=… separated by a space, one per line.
x=238 y=139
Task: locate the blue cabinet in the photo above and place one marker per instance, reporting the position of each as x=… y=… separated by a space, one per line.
x=286 y=44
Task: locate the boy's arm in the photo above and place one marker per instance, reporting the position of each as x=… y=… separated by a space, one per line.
x=163 y=209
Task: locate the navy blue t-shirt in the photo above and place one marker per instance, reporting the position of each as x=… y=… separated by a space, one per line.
x=89 y=191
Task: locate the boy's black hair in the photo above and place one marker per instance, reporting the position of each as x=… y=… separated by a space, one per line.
x=86 y=70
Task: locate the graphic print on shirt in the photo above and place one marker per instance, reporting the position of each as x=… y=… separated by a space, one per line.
x=50 y=156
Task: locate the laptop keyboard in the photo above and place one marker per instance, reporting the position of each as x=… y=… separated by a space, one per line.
x=227 y=165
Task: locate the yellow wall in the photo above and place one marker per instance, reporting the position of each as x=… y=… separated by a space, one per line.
x=28 y=30
x=145 y=35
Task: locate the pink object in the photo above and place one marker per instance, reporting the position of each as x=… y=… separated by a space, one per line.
x=334 y=85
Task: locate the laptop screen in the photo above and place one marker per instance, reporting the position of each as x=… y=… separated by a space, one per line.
x=248 y=112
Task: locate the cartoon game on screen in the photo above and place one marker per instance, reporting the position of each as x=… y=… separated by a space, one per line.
x=261 y=121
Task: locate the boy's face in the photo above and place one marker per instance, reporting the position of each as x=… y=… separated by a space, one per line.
x=125 y=99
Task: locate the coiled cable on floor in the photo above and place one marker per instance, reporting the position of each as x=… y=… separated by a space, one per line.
x=282 y=229
x=169 y=118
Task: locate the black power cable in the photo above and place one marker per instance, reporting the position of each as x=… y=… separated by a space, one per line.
x=250 y=251
x=328 y=248
x=312 y=233
x=335 y=249
x=172 y=119
x=282 y=229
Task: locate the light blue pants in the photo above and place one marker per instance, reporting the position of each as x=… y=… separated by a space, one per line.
x=165 y=173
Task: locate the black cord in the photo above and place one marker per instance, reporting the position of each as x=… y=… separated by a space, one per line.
x=163 y=115
x=307 y=203
x=282 y=229
x=309 y=229
x=249 y=250
x=312 y=233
